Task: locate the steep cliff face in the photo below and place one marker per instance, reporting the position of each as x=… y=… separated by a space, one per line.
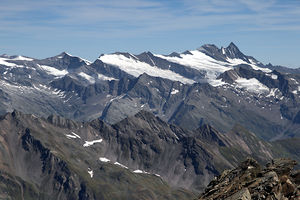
x=29 y=169
x=252 y=181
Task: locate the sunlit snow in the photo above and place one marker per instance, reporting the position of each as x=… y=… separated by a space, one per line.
x=53 y=71
x=272 y=92
x=213 y=68
x=199 y=61
x=174 y=91
x=3 y=61
x=274 y=76
x=90 y=143
x=87 y=77
x=73 y=135
x=138 y=171
x=252 y=85
x=102 y=159
x=119 y=164
x=22 y=58
x=105 y=78
x=91 y=172
x=136 y=68
x=236 y=61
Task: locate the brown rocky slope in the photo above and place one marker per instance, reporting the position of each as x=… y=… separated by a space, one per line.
x=249 y=180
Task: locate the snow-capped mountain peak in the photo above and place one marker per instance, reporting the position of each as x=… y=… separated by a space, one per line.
x=66 y=55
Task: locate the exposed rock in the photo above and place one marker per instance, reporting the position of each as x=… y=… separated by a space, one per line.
x=250 y=181
x=243 y=194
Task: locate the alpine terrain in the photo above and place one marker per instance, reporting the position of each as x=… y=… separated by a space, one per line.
x=148 y=126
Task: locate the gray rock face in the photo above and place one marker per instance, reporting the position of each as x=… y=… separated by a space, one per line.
x=67 y=151
x=232 y=51
x=48 y=159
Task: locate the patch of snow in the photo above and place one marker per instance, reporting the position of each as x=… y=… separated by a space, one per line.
x=75 y=134
x=252 y=85
x=61 y=94
x=4 y=72
x=119 y=164
x=174 y=91
x=252 y=61
x=138 y=171
x=90 y=143
x=91 y=172
x=134 y=56
x=299 y=88
x=292 y=79
x=272 y=92
x=102 y=159
x=255 y=67
x=200 y=61
x=176 y=136
x=216 y=82
x=236 y=61
x=294 y=91
x=53 y=71
x=3 y=61
x=22 y=58
x=87 y=62
x=136 y=68
x=87 y=77
x=105 y=78
x=56 y=91
x=223 y=50
x=274 y=76
x=157 y=175
x=72 y=135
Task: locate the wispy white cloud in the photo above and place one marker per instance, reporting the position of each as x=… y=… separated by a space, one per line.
x=258 y=5
x=118 y=18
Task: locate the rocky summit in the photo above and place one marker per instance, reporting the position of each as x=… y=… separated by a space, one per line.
x=249 y=180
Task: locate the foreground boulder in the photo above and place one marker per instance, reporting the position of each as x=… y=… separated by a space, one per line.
x=252 y=181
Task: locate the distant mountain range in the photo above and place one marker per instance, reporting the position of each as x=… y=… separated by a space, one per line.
x=209 y=85
x=144 y=126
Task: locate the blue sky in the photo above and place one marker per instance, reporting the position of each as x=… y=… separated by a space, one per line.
x=269 y=30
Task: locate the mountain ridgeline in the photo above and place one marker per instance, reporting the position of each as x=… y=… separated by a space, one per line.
x=208 y=85
x=145 y=126
x=141 y=157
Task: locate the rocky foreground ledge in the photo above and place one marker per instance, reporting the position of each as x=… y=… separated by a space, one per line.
x=277 y=180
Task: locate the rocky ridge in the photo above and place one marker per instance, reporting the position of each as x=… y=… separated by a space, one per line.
x=250 y=180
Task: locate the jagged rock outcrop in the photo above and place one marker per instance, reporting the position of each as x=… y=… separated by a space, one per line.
x=252 y=181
